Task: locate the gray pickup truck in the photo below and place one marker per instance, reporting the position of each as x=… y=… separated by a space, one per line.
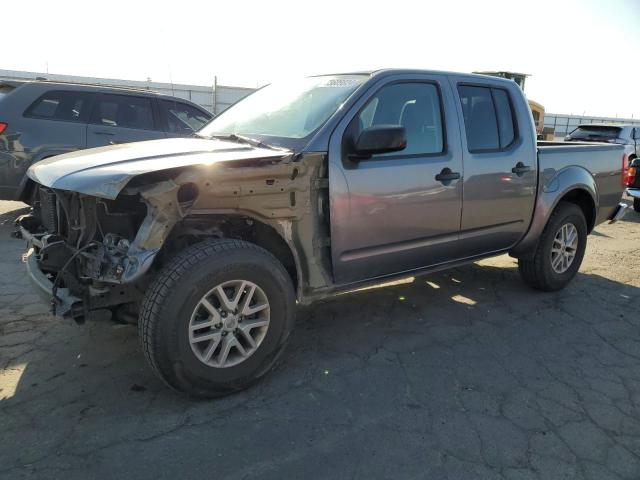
x=302 y=190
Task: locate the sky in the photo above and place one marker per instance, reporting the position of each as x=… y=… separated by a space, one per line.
x=583 y=56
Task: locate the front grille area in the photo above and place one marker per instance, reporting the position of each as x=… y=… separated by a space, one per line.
x=48 y=214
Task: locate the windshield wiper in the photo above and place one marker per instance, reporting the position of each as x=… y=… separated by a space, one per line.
x=242 y=139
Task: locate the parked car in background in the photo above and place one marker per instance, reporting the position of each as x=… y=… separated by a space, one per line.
x=8 y=86
x=300 y=191
x=41 y=119
x=632 y=181
x=627 y=135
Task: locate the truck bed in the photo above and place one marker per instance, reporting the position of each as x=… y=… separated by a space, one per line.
x=595 y=162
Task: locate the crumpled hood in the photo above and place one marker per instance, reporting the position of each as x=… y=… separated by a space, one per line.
x=105 y=171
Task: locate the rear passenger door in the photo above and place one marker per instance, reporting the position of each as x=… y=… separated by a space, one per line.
x=182 y=119
x=119 y=118
x=500 y=166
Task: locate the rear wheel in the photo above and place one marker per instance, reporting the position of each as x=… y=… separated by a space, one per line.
x=217 y=317
x=560 y=250
x=636 y=204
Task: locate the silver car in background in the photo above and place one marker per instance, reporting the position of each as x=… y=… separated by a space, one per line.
x=627 y=135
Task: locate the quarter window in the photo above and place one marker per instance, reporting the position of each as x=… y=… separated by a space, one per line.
x=415 y=106
x=506 y=131
x=60 y=105
x=488 y=118
x=123 y=111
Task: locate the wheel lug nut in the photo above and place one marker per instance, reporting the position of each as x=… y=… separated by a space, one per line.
x=224 y=334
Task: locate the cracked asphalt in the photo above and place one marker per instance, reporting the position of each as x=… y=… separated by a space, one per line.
x=462 y=374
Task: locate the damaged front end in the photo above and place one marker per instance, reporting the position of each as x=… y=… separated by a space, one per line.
x=89 y=255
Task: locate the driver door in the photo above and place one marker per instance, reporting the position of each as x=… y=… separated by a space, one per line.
x=398 y=211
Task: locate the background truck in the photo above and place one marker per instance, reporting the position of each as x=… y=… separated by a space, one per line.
x=302 y=190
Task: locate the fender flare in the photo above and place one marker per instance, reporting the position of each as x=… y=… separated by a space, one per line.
x=554 y=187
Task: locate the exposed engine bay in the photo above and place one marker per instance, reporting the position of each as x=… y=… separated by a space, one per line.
x=92 y=249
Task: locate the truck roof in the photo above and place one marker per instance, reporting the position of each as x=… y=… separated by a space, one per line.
x=410 y=71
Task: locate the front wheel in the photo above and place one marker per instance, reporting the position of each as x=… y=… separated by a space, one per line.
x=560 y=250
x=217 y=317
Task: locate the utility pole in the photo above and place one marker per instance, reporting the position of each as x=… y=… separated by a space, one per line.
x=214 y=95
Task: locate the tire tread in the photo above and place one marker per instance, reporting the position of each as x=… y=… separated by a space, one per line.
x=163 y=283
x=532 y=269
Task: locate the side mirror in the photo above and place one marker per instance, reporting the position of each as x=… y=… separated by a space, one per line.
x=381 y=139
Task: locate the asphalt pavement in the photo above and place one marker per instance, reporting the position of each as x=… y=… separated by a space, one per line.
x=462 y=374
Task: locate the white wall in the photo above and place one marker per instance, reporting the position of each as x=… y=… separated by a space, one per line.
x=224 y=96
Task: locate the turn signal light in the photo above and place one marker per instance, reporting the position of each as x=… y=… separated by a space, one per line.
x=630 y=179
x=3 y=126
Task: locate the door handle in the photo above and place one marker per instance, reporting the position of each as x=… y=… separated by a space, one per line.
x=102 y=132
x=446 y=176
x=520 y=169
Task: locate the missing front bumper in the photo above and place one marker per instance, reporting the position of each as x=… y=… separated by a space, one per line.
x=65 y=305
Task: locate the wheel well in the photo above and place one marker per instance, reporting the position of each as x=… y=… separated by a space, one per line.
x=28 y=191
x=583 y=199
x=196 y=228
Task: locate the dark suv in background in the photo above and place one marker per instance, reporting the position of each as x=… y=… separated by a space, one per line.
x=40 y=119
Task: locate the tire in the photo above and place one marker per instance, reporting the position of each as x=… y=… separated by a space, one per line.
x=636 y=204
x=174 y=301
x=538 y=272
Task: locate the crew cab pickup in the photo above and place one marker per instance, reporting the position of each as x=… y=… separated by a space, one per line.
x=299 y=191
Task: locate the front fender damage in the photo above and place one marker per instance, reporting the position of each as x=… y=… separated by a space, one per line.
x=236 y=200
x=163 y=212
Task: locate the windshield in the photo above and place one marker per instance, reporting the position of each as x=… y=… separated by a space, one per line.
x=585 y=133
x=284 y=113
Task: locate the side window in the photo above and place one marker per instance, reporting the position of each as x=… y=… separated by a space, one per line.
x=415 y=106
x=123 y=111
x=506 y=130
x=488 y=118
x=183 y=118
x=61 y=105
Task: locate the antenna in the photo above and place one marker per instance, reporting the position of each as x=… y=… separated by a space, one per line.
x=173 y=93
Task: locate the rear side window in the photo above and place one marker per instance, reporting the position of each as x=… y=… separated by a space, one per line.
x=506 y=132
x=61 y=105
x=123 y=111
x=183 y=118
x=488 y=118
